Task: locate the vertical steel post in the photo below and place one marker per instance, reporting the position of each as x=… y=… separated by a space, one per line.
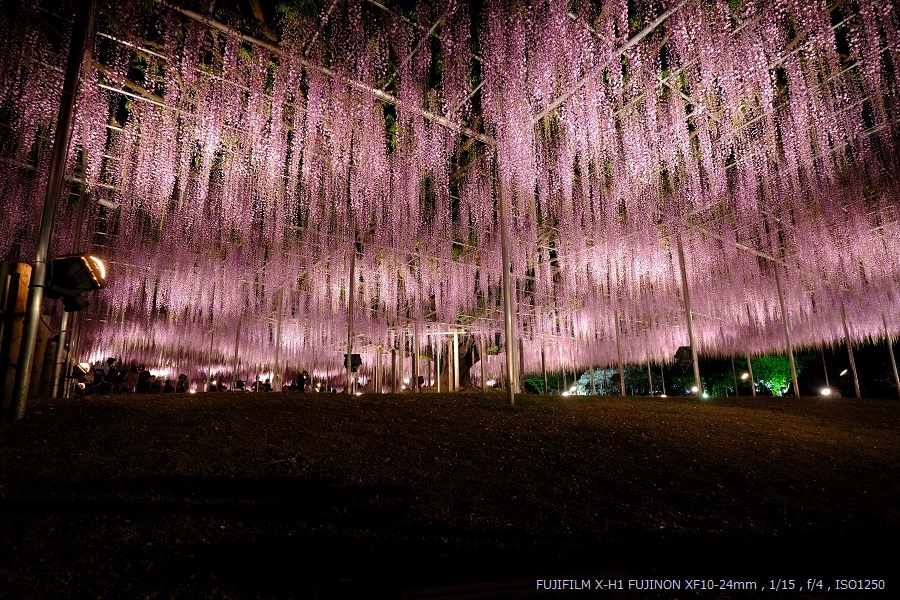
x=824 y=367
x=455 y=361
x=787 y=332
x=593 y=386
x=752 y=380
x=619 y=352
x=520 y=379
x=662 y=374
x=734 y=375
x=237 y=347
x=351 y=304
x=415 y=358
x=393 y=369
x=850 y=351
x=650 y=377
x=212 y=333
x=890 y=346
x=507 y=297
x=78 y=44
x=277 y=382
x=544 y=368
x=439 y=349
x=686 y=292
x=483 y=364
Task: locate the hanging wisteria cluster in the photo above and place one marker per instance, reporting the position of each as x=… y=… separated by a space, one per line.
x=228 y=181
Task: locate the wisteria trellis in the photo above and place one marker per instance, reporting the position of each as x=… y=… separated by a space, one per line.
x=220 y=172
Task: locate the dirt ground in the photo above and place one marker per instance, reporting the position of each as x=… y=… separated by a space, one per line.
x=320 y=496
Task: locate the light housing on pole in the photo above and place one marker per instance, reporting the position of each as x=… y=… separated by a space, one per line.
x=72 y=275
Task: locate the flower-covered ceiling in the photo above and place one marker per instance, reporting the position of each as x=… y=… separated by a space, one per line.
x=231 y=165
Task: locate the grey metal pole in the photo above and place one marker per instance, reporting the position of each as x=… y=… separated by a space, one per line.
x=81 y=33
x=277 y=383
x=455 y=361
x=650 y=377
x=662 y=374
x=593 y=386
x=483 y=364
x=237 y=348
x=752 y=380
x=686 y=291
x=507 y=297
x=393 y=370
x=520 y=379
x=824 y=366
x=890 y=346
x=439 y=348
x=734 y=374
x=212 y=333
x=850 y=352
x=351 y=303
x=787 y=332
x=619 y=352
x=544 y=368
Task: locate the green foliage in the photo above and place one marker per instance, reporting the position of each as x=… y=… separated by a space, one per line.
x=298 y=8
x=774 y=372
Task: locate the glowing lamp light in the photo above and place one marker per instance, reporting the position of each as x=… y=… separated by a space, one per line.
x=359 y=393
x=745 y=376
x=192 y=391
x=402 y=387
x=572 y=389
x=490 y=382
x=85 y=367
x=825 y=391
x=213 y=382
x=705 y=395
x=663 y=396
x=694 y=389
x=80 y=385
x=406 y=380
x=565 y=393
x=844 y=372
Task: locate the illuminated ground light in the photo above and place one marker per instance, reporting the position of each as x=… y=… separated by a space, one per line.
x=844 y=372
x=694 y=389
x=745 y=376
x=825 y=391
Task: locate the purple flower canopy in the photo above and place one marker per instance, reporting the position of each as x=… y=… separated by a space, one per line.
x=228 y=181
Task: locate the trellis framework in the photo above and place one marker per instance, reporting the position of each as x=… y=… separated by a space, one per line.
x=224 y=174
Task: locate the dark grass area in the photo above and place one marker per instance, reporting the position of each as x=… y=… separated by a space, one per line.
x=320 y=496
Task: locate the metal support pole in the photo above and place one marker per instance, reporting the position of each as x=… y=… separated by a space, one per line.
x=787 y=332
x=438 y=350
x=415 y=358
x=650 y=377
x=81 y=33
x=662 y=374
x=212 y=333
x=483 y=364
x=455 y=361
x=734 y=375
x=276 y=376
x=351 y=303
x=890 y=346
x=507 y=297
x=619 y=352
x=850 y=352
x=593 y=386
x=825 y=367
x=237 y=347
x=393 y=370
x=685 y=288
x=544 y=368
x=520 y=380
x=752 y=380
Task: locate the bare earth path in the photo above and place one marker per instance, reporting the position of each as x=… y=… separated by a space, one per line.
x=318 y=496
